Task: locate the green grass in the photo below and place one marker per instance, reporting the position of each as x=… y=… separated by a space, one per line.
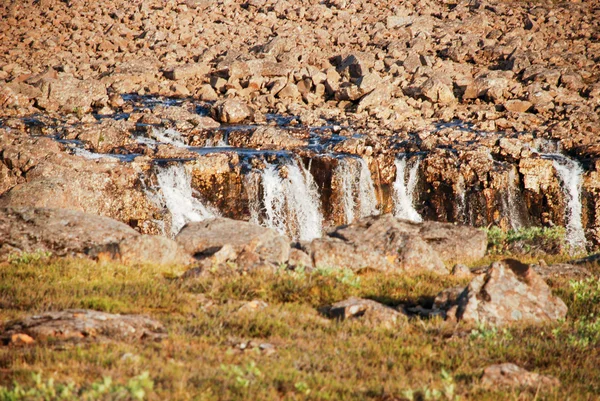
x=527 y=241
x=213 y=351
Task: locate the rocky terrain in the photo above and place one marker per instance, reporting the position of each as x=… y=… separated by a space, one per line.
x=307 y=144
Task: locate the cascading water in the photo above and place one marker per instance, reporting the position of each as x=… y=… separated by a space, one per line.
x=176 y=194
x=357 y=188
x=404 y=190
x=290 y=201
x=570 y=174
x=368 y=200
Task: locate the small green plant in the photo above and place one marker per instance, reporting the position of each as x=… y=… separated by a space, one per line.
x=29 y=257
x=242 y=376
x=483 y=332
x=105 y=389
x=586 y=332
x=429 y=393
x=524 y=240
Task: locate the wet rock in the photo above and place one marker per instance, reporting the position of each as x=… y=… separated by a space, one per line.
x=267 y=138
x=104 y=136
x=509 y=375
x=250 y=245
x=230 y=111
x=366 y=310
x=508 y=292
x=84 y=325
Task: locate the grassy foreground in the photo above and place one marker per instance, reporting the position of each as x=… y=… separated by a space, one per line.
x=217 y=351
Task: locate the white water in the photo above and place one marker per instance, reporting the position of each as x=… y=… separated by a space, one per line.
x=404 y=189
x=367 y=197
x=357 y=188
x=570 y=173
x=176 y=194
x=290 y=205
x=165 y=135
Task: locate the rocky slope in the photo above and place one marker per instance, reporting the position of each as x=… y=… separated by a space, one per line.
x=471 y=112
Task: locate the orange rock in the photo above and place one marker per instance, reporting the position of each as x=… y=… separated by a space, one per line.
x=21 y=339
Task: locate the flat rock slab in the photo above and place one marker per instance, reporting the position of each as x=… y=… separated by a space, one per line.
x=509 y=375
x=367 y=310
x=83 y=324
x=508 y=292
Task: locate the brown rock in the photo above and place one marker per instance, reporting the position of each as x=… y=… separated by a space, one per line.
x=186 y=71
x=518 y=106
x=509 y=375
x=205 y=238
x=83 y=324
x=369 y=311
x=230 y=111
x=509 y=291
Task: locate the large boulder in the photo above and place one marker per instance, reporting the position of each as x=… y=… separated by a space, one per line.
x=220 y=240
x=387 y=243
x=82 y=324
x=63 y=232
x=508 y=292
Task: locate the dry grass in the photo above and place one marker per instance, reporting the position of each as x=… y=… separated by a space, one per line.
x=213 y=352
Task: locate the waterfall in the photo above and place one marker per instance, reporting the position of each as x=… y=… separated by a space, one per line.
x=176 y=194
x=367 y=198
x=356 y=188
x=290 y=201
x=404 y=189
x=570 y=173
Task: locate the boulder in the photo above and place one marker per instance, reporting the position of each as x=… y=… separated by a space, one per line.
x=63 y=232
x=82 y=324
x=230 y=111
x=219 y=240
x=509 y=375
x=508 y=292
x=70 y=95
x=59 y=231
x=267 y=138
x=453 y=243
x=366 y=310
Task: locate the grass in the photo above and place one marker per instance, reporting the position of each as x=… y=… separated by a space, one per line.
x=217 y=351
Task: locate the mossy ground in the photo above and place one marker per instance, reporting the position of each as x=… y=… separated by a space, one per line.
x=315 y=358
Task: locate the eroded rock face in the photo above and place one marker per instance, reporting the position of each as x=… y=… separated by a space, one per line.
x=509 y=375
x=220 y=240
x=82 y=325
x=508 y=292
x=40 y=174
